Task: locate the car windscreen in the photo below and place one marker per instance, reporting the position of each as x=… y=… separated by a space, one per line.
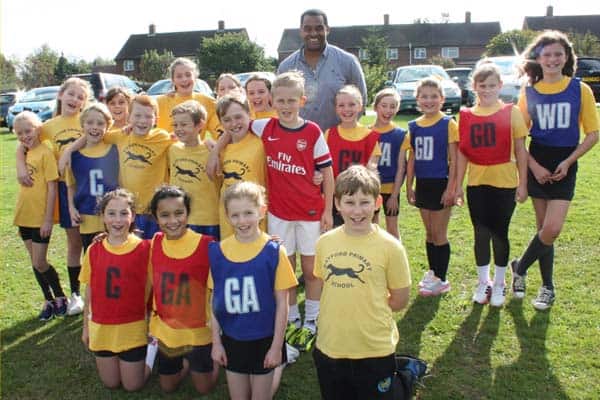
x=39 y=95
x=160 y=87
x=6 y=98
x=415 y=74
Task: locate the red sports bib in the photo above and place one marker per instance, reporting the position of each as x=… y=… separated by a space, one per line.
x=486 y=140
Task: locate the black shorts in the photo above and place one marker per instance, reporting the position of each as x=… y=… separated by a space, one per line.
x=32 y=234
x=131 y=355
x=248 y=356
x=428 y=193
x=199 y=359
x=389 y=213
x=364 y=378
x=549 y=158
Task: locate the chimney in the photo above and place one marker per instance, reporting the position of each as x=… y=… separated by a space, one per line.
x=549 y=11
x=468 y=17
x=221 y=25
x=386 y=19
x=151 y=30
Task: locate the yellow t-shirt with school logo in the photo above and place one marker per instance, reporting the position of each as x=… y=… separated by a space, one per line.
x=30 y=210
x=187 y=169
x=355 y=319
x=242 y=161
x=167 y=103
x=60 y=132
x=115 y=337
x=142 y=163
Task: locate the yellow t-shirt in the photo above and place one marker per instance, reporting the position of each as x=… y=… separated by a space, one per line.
x=180 y=248
x=187 y=169
x=263 y=114
x=61 y=131
x=242 y=161
x=359 y=132
x=143 y=163
x=114 y=337
x=588 y=116
x=355 y=319
x=240 y=252
x=32 y=201
x=167 y=103
x=89 y=223
x=501 y=175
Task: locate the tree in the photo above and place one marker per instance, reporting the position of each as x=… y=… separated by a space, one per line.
x=99 y=61
x=230 y=52
x=376 y=64
x=585 y=44
x=442 y=61
x=8 y=74
x=65 y=68
x=509 y=43
x=153 y=65
x=38 y=68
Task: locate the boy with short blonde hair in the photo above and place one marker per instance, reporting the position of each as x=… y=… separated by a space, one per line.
x=365 y=274
x=298 y=212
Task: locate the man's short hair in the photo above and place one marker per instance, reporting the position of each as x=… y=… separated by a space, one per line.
x=314 y=12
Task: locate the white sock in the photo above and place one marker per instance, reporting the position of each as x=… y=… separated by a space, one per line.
x=294 y=315
x=311 y=311
x=483 y=272
x=499 y=274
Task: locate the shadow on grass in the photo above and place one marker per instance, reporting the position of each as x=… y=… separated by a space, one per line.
x=48 y=361
x=413 y=324
x=532 y=364
x=464 y=370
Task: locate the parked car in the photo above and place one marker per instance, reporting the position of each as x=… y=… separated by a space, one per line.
x=406 y=79
x=509 y=73
x=588 y=69
x=462 y=77
x=7 y=99
x=165 y=85
x=243 y=76
x=101 y=82
x=41 y=101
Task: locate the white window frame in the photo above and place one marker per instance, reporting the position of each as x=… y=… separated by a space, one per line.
x=391 y=53
x=450 y=52
x=420 y=53
x=363 y=54
x=128 y=65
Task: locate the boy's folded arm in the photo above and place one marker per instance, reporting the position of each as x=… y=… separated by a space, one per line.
x=399 y=298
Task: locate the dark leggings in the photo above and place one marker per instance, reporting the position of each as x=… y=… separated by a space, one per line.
x=87 y=239
x=491 y=209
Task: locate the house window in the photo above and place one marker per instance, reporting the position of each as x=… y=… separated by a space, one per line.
x=450 y=52
x=391 y=54
x=363 y=54
x=128 y=65
x=420 y=53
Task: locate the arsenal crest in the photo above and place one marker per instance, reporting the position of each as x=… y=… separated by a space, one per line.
x=301 y=144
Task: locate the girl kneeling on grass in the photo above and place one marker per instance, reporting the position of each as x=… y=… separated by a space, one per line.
x=115 y=272
x=251 y=275
x=179 y=271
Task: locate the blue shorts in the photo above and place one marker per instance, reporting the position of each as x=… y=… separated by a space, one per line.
x=210 y=230
x=64 y=218
x=147 y=224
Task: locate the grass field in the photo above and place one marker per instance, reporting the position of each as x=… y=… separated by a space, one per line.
x=474 y=352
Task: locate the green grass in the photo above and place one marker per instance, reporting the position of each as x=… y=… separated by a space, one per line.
x=474 y=352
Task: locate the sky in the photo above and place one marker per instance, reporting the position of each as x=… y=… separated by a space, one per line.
x=84 y=29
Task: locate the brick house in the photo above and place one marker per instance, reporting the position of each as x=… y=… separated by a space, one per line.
x=409 y=43
x=181 y=44
x=565 y=23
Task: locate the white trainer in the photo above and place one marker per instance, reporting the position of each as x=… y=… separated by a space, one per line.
x=498 y=295
x=482 y=292
x=75 y=304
